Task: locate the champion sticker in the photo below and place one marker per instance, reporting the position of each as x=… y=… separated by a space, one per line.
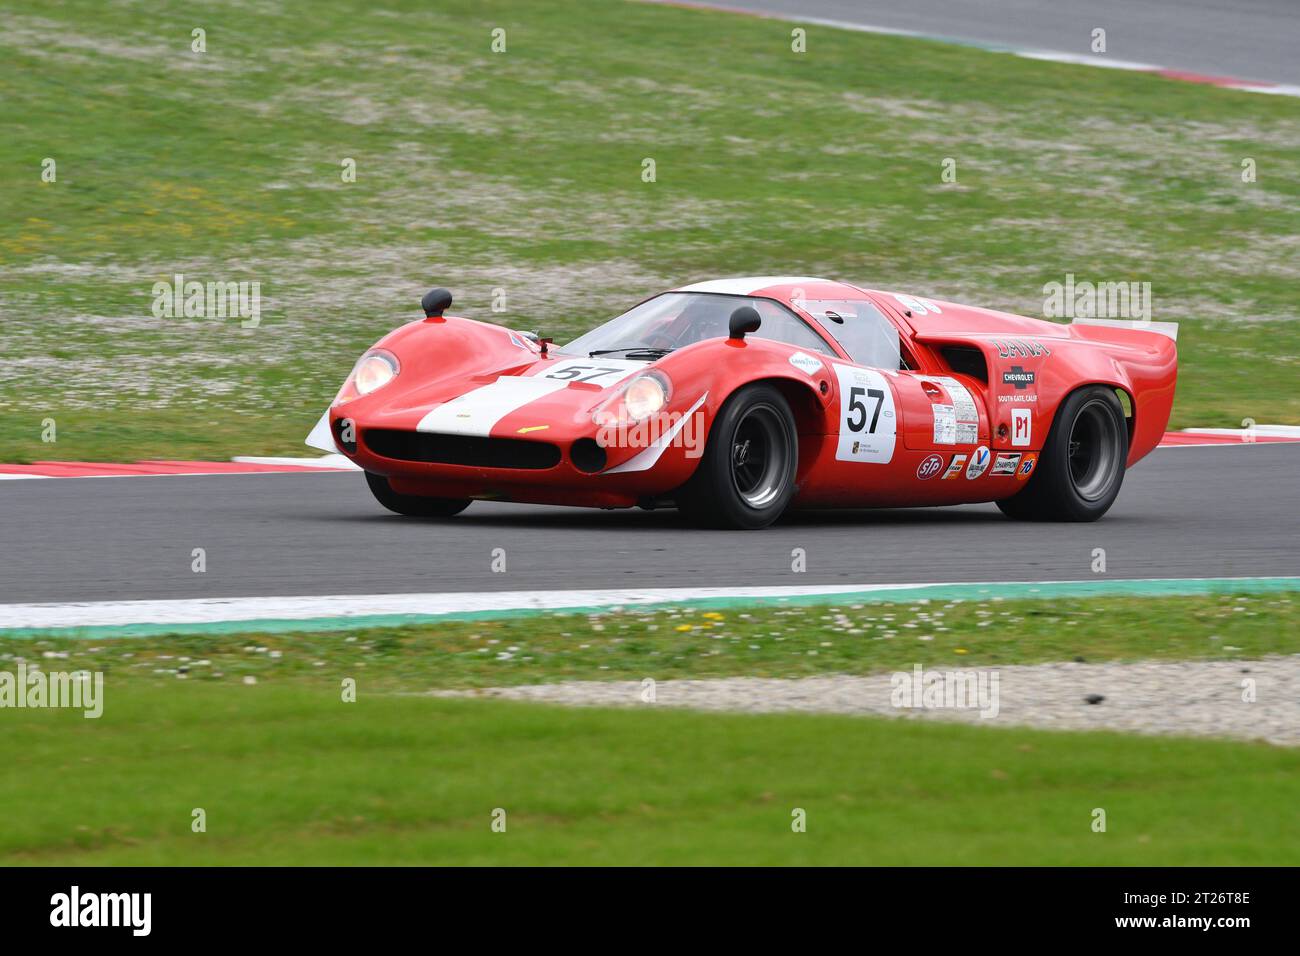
x=1006 y=463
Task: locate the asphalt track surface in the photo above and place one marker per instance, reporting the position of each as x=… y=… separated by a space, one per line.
x=1246 y=39
x=1183 y=512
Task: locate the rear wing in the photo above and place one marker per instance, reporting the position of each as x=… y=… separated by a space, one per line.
x=1168 y=329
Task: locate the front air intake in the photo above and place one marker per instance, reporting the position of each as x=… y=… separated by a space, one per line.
x=470 y=450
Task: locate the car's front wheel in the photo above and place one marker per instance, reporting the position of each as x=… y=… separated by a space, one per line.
x=746 y=476
x=415 y=506
x=1081 y=466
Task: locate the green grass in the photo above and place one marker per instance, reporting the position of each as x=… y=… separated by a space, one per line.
x=254 y=730
x=522 y=171
x=765 y=642
x=290 y=775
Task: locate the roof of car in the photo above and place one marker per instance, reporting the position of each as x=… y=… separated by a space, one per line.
x=748 y=285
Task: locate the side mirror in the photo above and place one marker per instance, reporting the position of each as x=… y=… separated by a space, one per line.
x=743 y=321
x=435 y=302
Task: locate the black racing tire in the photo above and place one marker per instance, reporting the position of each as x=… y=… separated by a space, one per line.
x=414 y=506
x=1081 y=466
x=746 y=476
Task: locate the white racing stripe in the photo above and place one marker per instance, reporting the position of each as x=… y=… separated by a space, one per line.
x=478 y=411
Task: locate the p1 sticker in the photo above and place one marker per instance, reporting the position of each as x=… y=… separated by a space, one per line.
x=954 y=467
x=868 y=426
x=1026 y=467
x=929 y=468
x=1006 y=463
x=979 y=462
x=1022 y=425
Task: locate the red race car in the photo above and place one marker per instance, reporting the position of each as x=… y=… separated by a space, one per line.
x=739 y=398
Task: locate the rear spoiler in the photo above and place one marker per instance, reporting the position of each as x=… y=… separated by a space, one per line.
x=1169 y=329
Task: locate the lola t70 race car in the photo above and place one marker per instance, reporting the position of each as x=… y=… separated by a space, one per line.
x=736 y=399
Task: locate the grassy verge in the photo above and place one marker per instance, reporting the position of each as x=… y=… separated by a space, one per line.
x=522 y=171
x=764 y=642
x=288 y=775
x=253 y=730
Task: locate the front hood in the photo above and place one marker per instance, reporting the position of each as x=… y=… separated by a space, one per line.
x=558 y=393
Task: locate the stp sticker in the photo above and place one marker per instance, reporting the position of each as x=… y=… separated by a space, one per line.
x=1006 y=463
x=954 y=467
x=868 y=427
x=979 y=462
x=930 y=467
x=1026 y=467
x=1022 y=426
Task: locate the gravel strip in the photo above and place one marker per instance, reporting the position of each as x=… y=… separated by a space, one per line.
x=1203 y=699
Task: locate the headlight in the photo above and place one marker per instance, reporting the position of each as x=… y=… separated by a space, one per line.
x=645 y=395
x=375 y=370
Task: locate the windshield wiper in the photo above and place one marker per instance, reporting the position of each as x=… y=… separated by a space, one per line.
x=633 y=350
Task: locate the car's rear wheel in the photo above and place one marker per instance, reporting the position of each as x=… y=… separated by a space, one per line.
x=415 y=506
x=1081 y=466
x=746 y=476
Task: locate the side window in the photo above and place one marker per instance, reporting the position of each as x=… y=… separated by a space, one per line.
x=868 y=337
x=780 y=325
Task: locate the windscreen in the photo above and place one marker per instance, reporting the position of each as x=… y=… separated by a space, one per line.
x=676 y=319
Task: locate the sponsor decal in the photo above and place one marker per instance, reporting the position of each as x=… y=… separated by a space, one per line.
x=1017 y=376
x=916 y=305
x=962 y=402
x=979 y=462
x=945 y=425
x=1022 y=426
x=1026 y=467
x=1006 y=463
x=930 y=467
x=954 y=467
x=1019 y=348
x=805 y=363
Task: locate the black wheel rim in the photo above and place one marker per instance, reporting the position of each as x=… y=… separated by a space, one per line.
x=1093 y=450
x=760 y=456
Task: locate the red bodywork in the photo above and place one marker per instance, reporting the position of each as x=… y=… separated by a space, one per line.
x=448 y=359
